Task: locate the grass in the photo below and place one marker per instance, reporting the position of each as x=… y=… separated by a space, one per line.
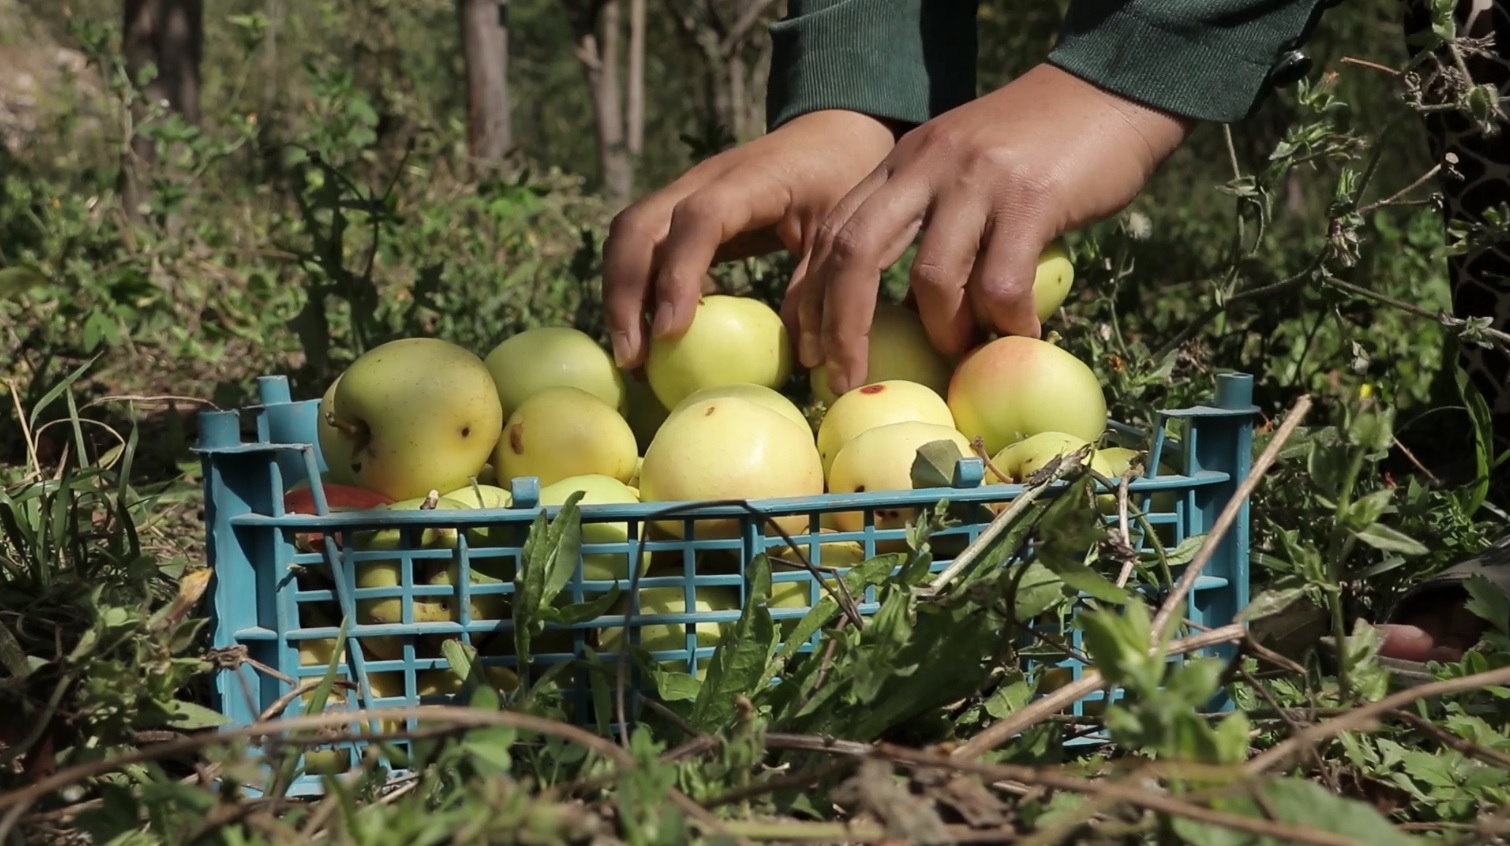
x=295 y=249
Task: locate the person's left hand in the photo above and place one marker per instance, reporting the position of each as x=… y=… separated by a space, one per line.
x=991 y=183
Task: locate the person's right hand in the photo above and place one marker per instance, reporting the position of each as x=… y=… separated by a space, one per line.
x=770 y=193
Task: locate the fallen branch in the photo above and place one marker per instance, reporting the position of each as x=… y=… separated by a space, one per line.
x=1365 y=714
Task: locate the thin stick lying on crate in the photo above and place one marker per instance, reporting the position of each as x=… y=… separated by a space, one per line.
x=1228 y=516
x=1000 y=523
x=998 y=733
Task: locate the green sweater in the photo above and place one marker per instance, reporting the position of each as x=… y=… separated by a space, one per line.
x=909 y=60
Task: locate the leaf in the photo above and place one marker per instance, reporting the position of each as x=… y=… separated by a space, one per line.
x=581 y=612
x=191 y=716
x=739 y=661
x=15 y=281
x=871 y=572
x=1301 y=804
x=1182 y=554
x=1366 y=510
x=1488 y=602
x=934 y=464
x=1084 y=579
x=1269 y=603
x=1038 y=590
x=551 y=554
x=1380 y=536
x=675 y=685
x=491 y=745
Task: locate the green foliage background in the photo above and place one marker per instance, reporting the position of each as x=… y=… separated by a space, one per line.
x=321 y=209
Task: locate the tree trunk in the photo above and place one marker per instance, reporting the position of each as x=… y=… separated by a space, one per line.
x=634 y=93
x=485 y=46
x=599 y=58
x=169 y=36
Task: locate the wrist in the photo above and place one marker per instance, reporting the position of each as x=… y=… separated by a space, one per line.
x=849 y=127
x=1162 y=130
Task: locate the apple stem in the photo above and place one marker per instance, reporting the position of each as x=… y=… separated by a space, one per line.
x=345 y=427
x=432 y=499
x=979 y=445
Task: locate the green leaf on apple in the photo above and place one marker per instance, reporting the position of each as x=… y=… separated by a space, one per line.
x=933 y=467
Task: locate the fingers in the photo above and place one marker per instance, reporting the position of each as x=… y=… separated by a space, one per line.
x=941 y=272
x=1002 y=281
x=659 y=249
x=628 y=256
x=849 y=274
x=700 y=223
x=811 y=302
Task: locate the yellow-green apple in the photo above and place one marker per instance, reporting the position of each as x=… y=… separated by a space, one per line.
x=659 y=637
x=1016 y=387
x=899 y=349
x=416 y=415
x=730 y=448
x=1023 y=458
x=553 y=356
x=563 y=431
x=758 y=394
x=598 y=489
x=335 y=447
x=881 y=459
x=731 y=340
x=1051 y=283
x=877 y=404
x=389 y=573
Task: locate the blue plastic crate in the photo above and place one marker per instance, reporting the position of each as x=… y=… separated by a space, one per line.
x=264 y=587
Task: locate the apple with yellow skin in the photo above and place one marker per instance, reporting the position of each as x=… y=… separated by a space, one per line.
x=414 y=415
x=334 y=447
x=1051 y=284
x=877 y=404
x=1015 y=387
x=899 y=350
x=881 y=459
x=553 y=356
x=731 y=340
x=659 y=637
x=758 y=394
x=1117 y=461
x=1020 y=460
x=388 y=573
x=730 y=448
x=599 y=490
x=494 y=536
x=560 y=432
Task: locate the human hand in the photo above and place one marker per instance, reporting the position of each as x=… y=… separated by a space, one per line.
x=990 y=183
x=770 y=193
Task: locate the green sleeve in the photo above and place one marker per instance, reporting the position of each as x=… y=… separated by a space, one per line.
x=1213 y=60
x=899 y=60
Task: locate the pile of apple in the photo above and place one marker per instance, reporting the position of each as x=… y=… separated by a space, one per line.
x=424 y=423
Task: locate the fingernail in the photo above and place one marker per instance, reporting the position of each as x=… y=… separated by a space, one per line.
x=663 y=318
x=620 y=341
x=809 y=349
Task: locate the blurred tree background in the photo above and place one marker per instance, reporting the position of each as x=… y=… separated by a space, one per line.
x=293 y=182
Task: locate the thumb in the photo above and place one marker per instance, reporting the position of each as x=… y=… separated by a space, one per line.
x=1001 y=282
